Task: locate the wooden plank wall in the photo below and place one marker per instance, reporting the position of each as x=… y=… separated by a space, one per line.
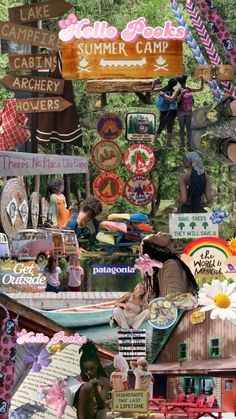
x=197 y=338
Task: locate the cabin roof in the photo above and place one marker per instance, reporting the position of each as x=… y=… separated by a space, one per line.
x=194 y=367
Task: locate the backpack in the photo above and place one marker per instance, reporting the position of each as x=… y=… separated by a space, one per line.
x=187 y=101
x=164 y=105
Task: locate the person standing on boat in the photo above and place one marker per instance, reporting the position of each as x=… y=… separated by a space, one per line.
x=132 y=310
x=75 y=274
x=89 y=392
x=52 y=273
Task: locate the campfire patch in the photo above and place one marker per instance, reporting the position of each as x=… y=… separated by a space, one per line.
x=139 y=159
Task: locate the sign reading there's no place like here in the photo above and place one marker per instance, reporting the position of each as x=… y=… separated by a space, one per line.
x=192 y=225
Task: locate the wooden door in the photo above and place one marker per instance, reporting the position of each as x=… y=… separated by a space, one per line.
x=229 y=394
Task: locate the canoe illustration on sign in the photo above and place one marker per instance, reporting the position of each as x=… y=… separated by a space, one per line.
x=122 y=63
x=108 y=187
x=107 y=155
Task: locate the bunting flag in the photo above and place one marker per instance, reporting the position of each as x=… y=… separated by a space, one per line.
x=208 y=44
x=194 y=47
x=218 y=27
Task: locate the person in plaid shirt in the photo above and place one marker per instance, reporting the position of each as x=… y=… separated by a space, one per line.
x=13 y=126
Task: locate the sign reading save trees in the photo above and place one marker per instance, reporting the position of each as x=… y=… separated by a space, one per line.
x=192 y=225
x=99 y=51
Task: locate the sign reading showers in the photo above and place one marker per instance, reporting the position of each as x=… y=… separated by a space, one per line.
x=99 y=51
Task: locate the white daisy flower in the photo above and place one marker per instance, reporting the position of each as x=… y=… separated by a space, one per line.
x=220 y=297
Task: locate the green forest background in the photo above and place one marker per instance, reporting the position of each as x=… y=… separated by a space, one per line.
x=168 y=162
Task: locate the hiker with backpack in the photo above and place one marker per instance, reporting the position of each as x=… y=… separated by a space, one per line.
x=167 y=109
x=185 y=102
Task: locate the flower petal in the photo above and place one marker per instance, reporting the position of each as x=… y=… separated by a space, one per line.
x=214 y=313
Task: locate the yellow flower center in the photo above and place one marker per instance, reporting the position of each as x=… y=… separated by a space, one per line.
x=222 y=301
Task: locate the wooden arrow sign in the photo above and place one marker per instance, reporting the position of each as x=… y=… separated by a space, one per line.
x=34 y=84
x=30 y=62
x=27 y=35
x=42 y=104
x=219 y=72
x=39 y=11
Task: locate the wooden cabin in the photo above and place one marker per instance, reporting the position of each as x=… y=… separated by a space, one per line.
x=198 y=359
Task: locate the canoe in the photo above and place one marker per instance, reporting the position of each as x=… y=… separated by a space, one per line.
x=91 y=315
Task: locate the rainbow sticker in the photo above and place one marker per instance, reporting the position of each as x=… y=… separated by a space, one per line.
x=211 y=242
x=210 y=258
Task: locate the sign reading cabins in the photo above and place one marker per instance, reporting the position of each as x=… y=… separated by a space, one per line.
x=99 y=51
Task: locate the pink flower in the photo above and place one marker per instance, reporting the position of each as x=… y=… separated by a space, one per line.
x=56 y=397
x=146 y=265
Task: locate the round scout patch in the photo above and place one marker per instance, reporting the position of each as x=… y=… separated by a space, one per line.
x=139 y=190
x=108 y=187
x=139 y=159
x=109 y=126
x=107 y=155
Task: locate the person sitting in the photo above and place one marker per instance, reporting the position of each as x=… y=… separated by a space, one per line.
x=194 y=185
x=89 y=392
x=132 y=310
x=175 y=275
x=89 y=209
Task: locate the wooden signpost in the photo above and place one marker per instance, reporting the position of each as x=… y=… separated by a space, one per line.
x=96 y=59
x=219 y=72
x=30 y=62
x=28 y=35
x=39 y=11
x=42 y=104
x=34 y=84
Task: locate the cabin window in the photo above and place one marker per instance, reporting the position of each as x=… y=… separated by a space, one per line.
x=198 y=385
x=228 y=385
x=214 y=348
x=182 y=351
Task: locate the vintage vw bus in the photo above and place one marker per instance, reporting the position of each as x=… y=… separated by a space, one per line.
x=4 y=247
x=32 y=244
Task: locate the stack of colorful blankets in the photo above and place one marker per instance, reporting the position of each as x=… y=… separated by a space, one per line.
x=123 y=230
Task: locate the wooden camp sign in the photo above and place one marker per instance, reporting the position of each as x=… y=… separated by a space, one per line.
x=219 y=72
x=42 y=104
x=34 y=84
x=28 y=35
x=39 y=11
x=130 y=401
x=34 y=209
x=30 y=62
x=96 y=59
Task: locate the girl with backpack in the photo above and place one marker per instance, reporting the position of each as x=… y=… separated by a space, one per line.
x=185 y=103
x=167 y=109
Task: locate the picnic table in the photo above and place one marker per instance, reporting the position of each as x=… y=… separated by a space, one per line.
x=199 y=412
x=156 y=402
x=168 y=408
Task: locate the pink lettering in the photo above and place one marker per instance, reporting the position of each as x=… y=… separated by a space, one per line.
x=133 y=29
x=72 y=29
